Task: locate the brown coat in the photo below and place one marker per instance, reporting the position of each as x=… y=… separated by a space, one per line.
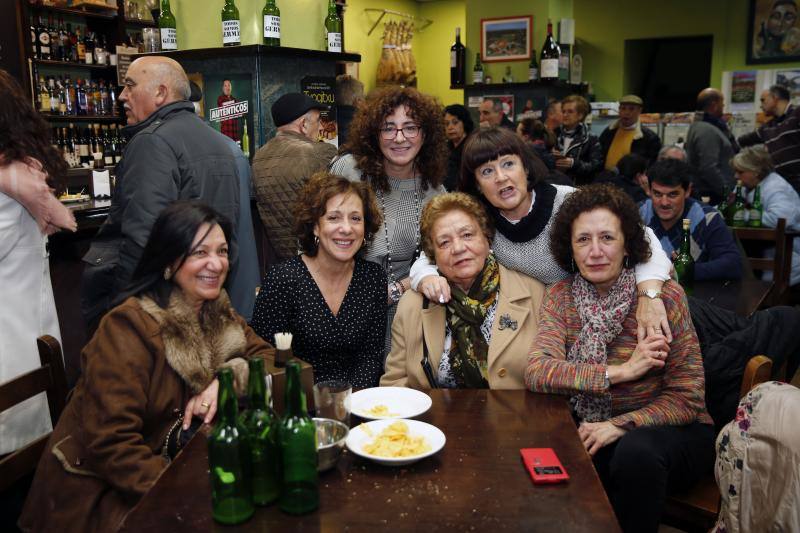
x=139 y=371
x=520 y=297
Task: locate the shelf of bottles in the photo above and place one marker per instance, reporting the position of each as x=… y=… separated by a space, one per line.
x=87 y=146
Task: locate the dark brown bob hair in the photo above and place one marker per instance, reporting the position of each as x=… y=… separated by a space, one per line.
x=489 y=144
x=364 y=136
x=313 y=200
x=589 y=198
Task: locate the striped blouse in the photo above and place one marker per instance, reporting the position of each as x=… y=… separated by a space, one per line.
x=672 y=395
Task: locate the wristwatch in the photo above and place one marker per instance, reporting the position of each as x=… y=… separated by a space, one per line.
x=650 y=293
x=395 y=292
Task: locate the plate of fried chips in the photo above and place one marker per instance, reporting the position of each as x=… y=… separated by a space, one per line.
x=380 y=403
x=395 y=442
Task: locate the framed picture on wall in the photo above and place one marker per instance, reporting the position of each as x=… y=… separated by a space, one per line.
x=773 y=34
x=506 y=39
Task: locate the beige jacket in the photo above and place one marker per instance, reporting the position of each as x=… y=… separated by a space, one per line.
x=519 y=299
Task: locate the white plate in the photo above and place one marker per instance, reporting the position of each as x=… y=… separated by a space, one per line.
x=402 y=402
x=358 y=437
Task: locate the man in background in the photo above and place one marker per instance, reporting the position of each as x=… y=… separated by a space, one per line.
x=491 y=114
x=552 y=115
x=776 y=105
x=282 y=166
x=627 y=136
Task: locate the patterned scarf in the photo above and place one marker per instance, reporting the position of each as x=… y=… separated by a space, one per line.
x=465 y=314
x=601 y=319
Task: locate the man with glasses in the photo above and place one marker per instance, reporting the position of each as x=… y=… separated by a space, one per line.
x=282 y=166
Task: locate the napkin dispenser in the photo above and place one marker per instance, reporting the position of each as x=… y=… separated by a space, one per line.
x=279 y=382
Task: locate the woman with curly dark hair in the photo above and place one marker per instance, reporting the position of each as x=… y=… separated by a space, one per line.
x=397 y=145
x=328 y=298
x=640 y=403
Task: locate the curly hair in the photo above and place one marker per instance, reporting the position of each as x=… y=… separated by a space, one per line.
x=25 y=134
x=445 y=203
x=312 y=203
x=364 y=136
x=589 y=198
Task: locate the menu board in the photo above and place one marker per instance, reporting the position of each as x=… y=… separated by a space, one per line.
x=321 y=89
x=124 y=60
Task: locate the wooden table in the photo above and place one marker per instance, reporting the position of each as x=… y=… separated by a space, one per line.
x=476 y=483
x=743 y=297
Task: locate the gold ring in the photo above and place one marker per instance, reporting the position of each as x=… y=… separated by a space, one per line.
x=206 y=405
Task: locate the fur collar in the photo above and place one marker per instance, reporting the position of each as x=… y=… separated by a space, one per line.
x=196 y=348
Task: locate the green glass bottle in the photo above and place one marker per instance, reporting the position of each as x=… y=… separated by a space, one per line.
x=739 y=218
x=477 y=70
x=333 y=28
x=246 y=141
x=272 y=24
x=229 y=459
x=298 y=441
x=167 y=27
x=756 y=210
x=231 y=35
x=262 y=427
x=684 y=262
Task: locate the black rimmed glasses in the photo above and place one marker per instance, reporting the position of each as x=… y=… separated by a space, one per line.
x=390 y=132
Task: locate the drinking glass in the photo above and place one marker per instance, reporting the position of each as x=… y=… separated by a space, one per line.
x=332 y=400
x=152 y=39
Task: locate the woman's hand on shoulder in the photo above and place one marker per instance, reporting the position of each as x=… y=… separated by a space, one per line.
x=435 y=288
x=649 y=353
x=595 y=435
x=203 y=405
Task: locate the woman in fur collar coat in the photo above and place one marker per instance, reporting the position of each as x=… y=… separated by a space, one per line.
x=147 y=372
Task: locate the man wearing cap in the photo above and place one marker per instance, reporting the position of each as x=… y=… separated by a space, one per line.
x=171 y=155
x=627 y=136
x=282 y=166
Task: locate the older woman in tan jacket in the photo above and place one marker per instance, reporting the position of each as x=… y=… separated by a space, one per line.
x=481 y=337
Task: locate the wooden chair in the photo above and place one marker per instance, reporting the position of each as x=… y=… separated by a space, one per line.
x=780 y=265
x=49 y=378
x=699 y=506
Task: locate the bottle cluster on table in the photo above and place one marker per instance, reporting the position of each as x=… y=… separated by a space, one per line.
x=60 y=43
x=59 y=95
x=736 y=210
x=82 y=146
x=257 y=459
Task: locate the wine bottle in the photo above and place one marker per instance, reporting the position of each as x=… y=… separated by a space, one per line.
x=80 y=46
x=551 y=53
x=533 y=67
x=333 y=28
x=44 y=40
x=229 y=459
x=739 y=210
x=34 y=39
x=88 y=45
x=298 y=442
x=684 y=262
x=272 y=24
x=756 y=210
x=167 y=27
x=458 y=54
x=230 y=24
x=55 y=42
x=245 y=141
x=477 y=70
x=507 y=77
x=262 y=427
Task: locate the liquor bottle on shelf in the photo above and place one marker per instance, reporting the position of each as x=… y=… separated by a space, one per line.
x=73 y=44
x=100 y=54
x=55 y=42
x=53 y=92
x=167 y=27
x=551 y=53
x=333 y=28
x=44 y=96
x=66 y=146
x=44 y=40
x=739 y=218
x=230 y=24
x=71 y=96
x=34 y=39
x=684 y=262
x=62 y=97
x=80 y=46
x=298 y=442
x=88 y=44
x=82 y=102
x=272 y=24
x=756 y=210
x=533 y=67
x=477 y=70
x=63 y=41
x=108 y=148
x=458 y=61
x=229 y=459
x=83 y=147
x=507 y=77
x=262 y=426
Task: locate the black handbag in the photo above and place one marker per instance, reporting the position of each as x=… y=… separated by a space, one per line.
x=426 y=363
x=177 y=437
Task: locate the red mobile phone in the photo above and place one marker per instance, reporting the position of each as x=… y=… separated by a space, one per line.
x=543 y=465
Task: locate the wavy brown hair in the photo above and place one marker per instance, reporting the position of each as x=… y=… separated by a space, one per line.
x=25 y=134
x=313 y=200
x=364 y=136
x=589 y=198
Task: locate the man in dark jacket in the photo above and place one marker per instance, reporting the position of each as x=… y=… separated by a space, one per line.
x=578 y=153
x=171 y=155
x=627 y=136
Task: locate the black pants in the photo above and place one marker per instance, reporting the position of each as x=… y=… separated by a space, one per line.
x=642 y=467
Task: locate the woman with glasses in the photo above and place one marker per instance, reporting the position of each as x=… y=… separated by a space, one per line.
x=397 y=145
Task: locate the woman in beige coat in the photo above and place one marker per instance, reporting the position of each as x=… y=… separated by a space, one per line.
x=147 y=372
x=481 y=337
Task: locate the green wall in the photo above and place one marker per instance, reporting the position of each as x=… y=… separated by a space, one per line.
x=603 y=27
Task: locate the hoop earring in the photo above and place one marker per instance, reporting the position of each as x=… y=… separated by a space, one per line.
x=316 y=240
x=573 y=265
x=167 y=273
x=627 y=263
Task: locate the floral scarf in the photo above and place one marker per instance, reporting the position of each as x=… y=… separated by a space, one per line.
x=465 y=314
x=601 y=320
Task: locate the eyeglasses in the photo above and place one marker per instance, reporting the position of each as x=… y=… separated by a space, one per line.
x=409 y=132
